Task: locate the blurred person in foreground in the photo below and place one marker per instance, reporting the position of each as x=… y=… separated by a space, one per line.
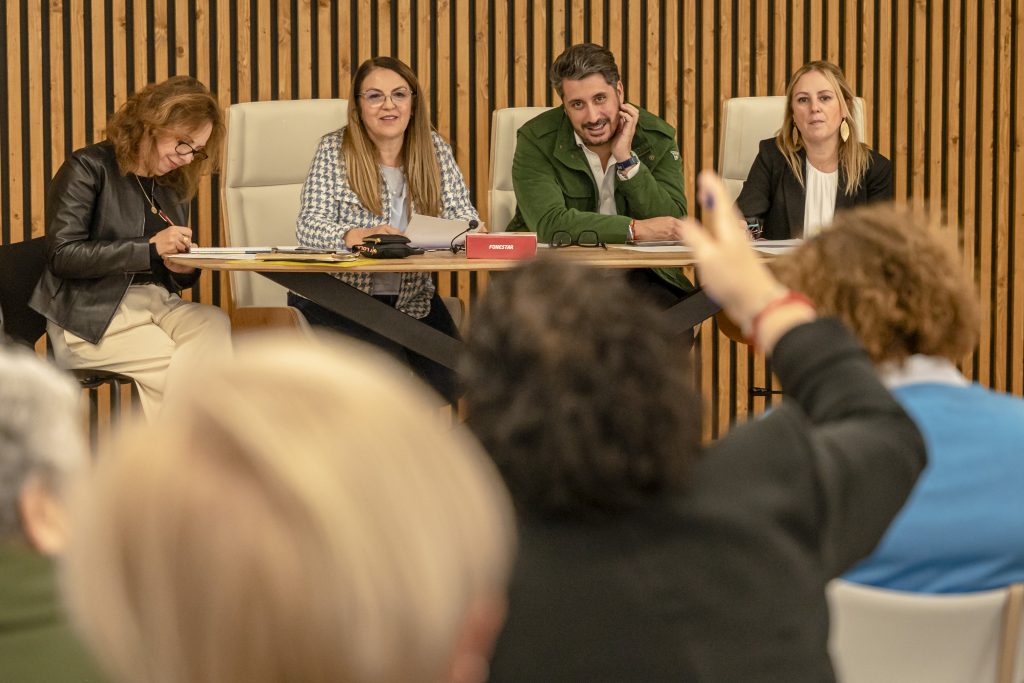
x=249 y=537
x=41 y=448
x=644 y=557
x=886 y=274
x=818 y=162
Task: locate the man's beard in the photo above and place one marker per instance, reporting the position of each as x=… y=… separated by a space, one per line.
x=588 y=137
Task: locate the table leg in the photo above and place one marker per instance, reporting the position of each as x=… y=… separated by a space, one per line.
x=333 y=294
x=691 y=311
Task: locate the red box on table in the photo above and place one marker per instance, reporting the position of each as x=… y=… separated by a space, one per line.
x=501 y=245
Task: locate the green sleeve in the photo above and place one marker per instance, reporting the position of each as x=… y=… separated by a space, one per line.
x=656 y=190
x=542 y=204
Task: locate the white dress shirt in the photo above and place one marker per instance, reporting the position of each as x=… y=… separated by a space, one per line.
x=604 y=177
x=820 y=205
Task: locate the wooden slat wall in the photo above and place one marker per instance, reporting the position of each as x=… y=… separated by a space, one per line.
x=943 y=80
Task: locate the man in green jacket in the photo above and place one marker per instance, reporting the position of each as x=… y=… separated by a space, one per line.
x=599 y=168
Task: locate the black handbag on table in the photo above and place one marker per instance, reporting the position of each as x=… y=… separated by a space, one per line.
x=386 y=246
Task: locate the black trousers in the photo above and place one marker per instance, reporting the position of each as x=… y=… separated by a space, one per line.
x=443 y=380
x=662 y=294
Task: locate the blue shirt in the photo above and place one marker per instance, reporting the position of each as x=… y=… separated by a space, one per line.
x=962 y=528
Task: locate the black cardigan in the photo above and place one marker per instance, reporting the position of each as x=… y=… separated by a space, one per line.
x=772 y=193
x=725 y=582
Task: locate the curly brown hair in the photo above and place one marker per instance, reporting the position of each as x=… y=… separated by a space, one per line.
x=884 y=271
x=177 y=105
x=579 y=391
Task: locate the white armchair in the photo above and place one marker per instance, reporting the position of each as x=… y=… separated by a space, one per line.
x=882 y=635
x=505 y=124
x=269 y=149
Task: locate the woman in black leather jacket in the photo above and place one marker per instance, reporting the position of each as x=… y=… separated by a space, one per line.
x=114 y=212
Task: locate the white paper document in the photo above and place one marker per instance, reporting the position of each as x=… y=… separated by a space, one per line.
x=225 y=251
x=430 y=232
x=660 y=248
x=281 y=253
x=777 y=246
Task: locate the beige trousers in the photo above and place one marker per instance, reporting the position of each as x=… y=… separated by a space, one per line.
x=153 y=335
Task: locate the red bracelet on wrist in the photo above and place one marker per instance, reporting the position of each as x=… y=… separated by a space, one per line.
x=789 y=297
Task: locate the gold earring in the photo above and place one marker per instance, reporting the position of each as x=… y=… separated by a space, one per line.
x=844 y=130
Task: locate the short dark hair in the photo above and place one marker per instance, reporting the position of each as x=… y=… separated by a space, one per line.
x=579 y=390
x=582 y=60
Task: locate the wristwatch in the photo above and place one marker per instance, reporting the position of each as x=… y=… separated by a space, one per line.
x=622 y=167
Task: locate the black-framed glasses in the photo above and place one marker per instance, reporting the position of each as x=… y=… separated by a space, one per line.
x=586 y=238
x=375 y=98
x=184 y=149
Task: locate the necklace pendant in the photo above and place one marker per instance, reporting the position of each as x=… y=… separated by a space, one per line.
x=152 y=209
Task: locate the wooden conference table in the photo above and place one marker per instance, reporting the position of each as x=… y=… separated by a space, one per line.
x=314 y=281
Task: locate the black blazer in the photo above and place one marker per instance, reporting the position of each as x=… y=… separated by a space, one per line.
x=95 y=241
x=774 y=195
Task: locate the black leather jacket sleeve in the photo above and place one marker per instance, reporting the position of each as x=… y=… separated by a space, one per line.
x=76 y=208
x=95 y=227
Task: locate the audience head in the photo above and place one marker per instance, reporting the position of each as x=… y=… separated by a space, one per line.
x=386 y=105
x=587 y=79
x=819 y=103
x=171 y=130
x=885 y=273
x=41 y=448
x=303 y=515
x=578 y=391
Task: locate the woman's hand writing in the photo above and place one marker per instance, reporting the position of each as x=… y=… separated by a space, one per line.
x=174 y=239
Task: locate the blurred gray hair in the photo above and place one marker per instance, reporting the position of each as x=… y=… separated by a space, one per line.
x=40 y=430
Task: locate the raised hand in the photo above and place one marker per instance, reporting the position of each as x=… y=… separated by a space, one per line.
x=731 y=271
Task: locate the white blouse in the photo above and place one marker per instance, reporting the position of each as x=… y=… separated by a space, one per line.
x=388 y=283
x=820 y=204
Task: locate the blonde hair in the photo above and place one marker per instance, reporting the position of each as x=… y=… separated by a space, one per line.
x=419 y=160
x=854 y=155
x=885 y=273
x=179 y=104
x=303 y=515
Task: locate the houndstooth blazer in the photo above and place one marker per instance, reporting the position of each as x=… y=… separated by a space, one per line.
x=330 y=208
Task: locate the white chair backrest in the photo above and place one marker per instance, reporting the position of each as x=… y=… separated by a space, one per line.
x=745 y=122
x=269 y=148
x=502 y=197
x=882 y=635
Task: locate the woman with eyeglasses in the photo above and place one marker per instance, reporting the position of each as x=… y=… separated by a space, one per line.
x=368 y=177
x=114 y=212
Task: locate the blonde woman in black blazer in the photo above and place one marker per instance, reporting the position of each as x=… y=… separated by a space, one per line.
x=819 y=143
